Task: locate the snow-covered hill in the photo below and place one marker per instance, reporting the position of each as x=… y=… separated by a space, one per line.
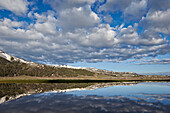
x=67 y=66
x=99 y=71
x=12 y=58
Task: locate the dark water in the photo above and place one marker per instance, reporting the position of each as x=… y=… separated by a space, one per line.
x=150 y=97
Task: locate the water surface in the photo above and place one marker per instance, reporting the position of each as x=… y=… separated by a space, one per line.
x=96 y=98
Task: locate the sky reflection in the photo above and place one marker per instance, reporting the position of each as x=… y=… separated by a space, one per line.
x=142 y=97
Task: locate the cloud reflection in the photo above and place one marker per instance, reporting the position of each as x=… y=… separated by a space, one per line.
x=62 y=103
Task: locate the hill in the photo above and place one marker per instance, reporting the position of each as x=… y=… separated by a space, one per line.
x=16 y=68
x=11 y=66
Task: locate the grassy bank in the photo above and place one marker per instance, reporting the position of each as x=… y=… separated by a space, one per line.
x=72 y=80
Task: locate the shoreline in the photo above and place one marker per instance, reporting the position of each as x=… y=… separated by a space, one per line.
x=28 y=79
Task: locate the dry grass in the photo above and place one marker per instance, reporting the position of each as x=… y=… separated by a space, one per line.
x=29 y=79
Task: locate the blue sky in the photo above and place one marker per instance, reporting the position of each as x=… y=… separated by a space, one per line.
x=118 y=35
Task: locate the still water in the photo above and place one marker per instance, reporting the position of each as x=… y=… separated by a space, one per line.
x=132 y=97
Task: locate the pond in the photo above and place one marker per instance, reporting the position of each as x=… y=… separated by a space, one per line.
x=119 y=97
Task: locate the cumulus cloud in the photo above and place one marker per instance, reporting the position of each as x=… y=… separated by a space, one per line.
x=59 y=5
x=155 y=5
x=108 y=18
x=132 y=9
x=81 y=17
x=45 y=24
x=115 y=5
x=136 y=9
x=73 y=32
x=18 y=7
x=100 y=43
x=74 y=14
x=155 y=61
x=157 y=21
x=7 y=22
x=99 y=37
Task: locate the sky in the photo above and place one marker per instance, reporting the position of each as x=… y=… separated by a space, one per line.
x=117 y=35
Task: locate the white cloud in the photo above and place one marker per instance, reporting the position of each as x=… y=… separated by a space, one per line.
x=136 y=9
x=9 y=23
x=130 y=36
x=97 y=37
x=81 y=17
x=157 y=21
x=18 y=7
x=100 y=43
x=155 y=61
x=45 y=24
x=73 y=32
x=156 y=5
x=74 y=14
x=59 y=5
x=40 y=18
x=108 y=18
x=131 y=9
x=115 y=5
x=46 y=28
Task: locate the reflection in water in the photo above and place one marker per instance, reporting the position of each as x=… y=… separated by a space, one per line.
x=149 y=91
x=138 y=98
x=10 y=91
x=60 y=103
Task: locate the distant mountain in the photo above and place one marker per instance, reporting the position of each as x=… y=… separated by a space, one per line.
x=156 y=73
